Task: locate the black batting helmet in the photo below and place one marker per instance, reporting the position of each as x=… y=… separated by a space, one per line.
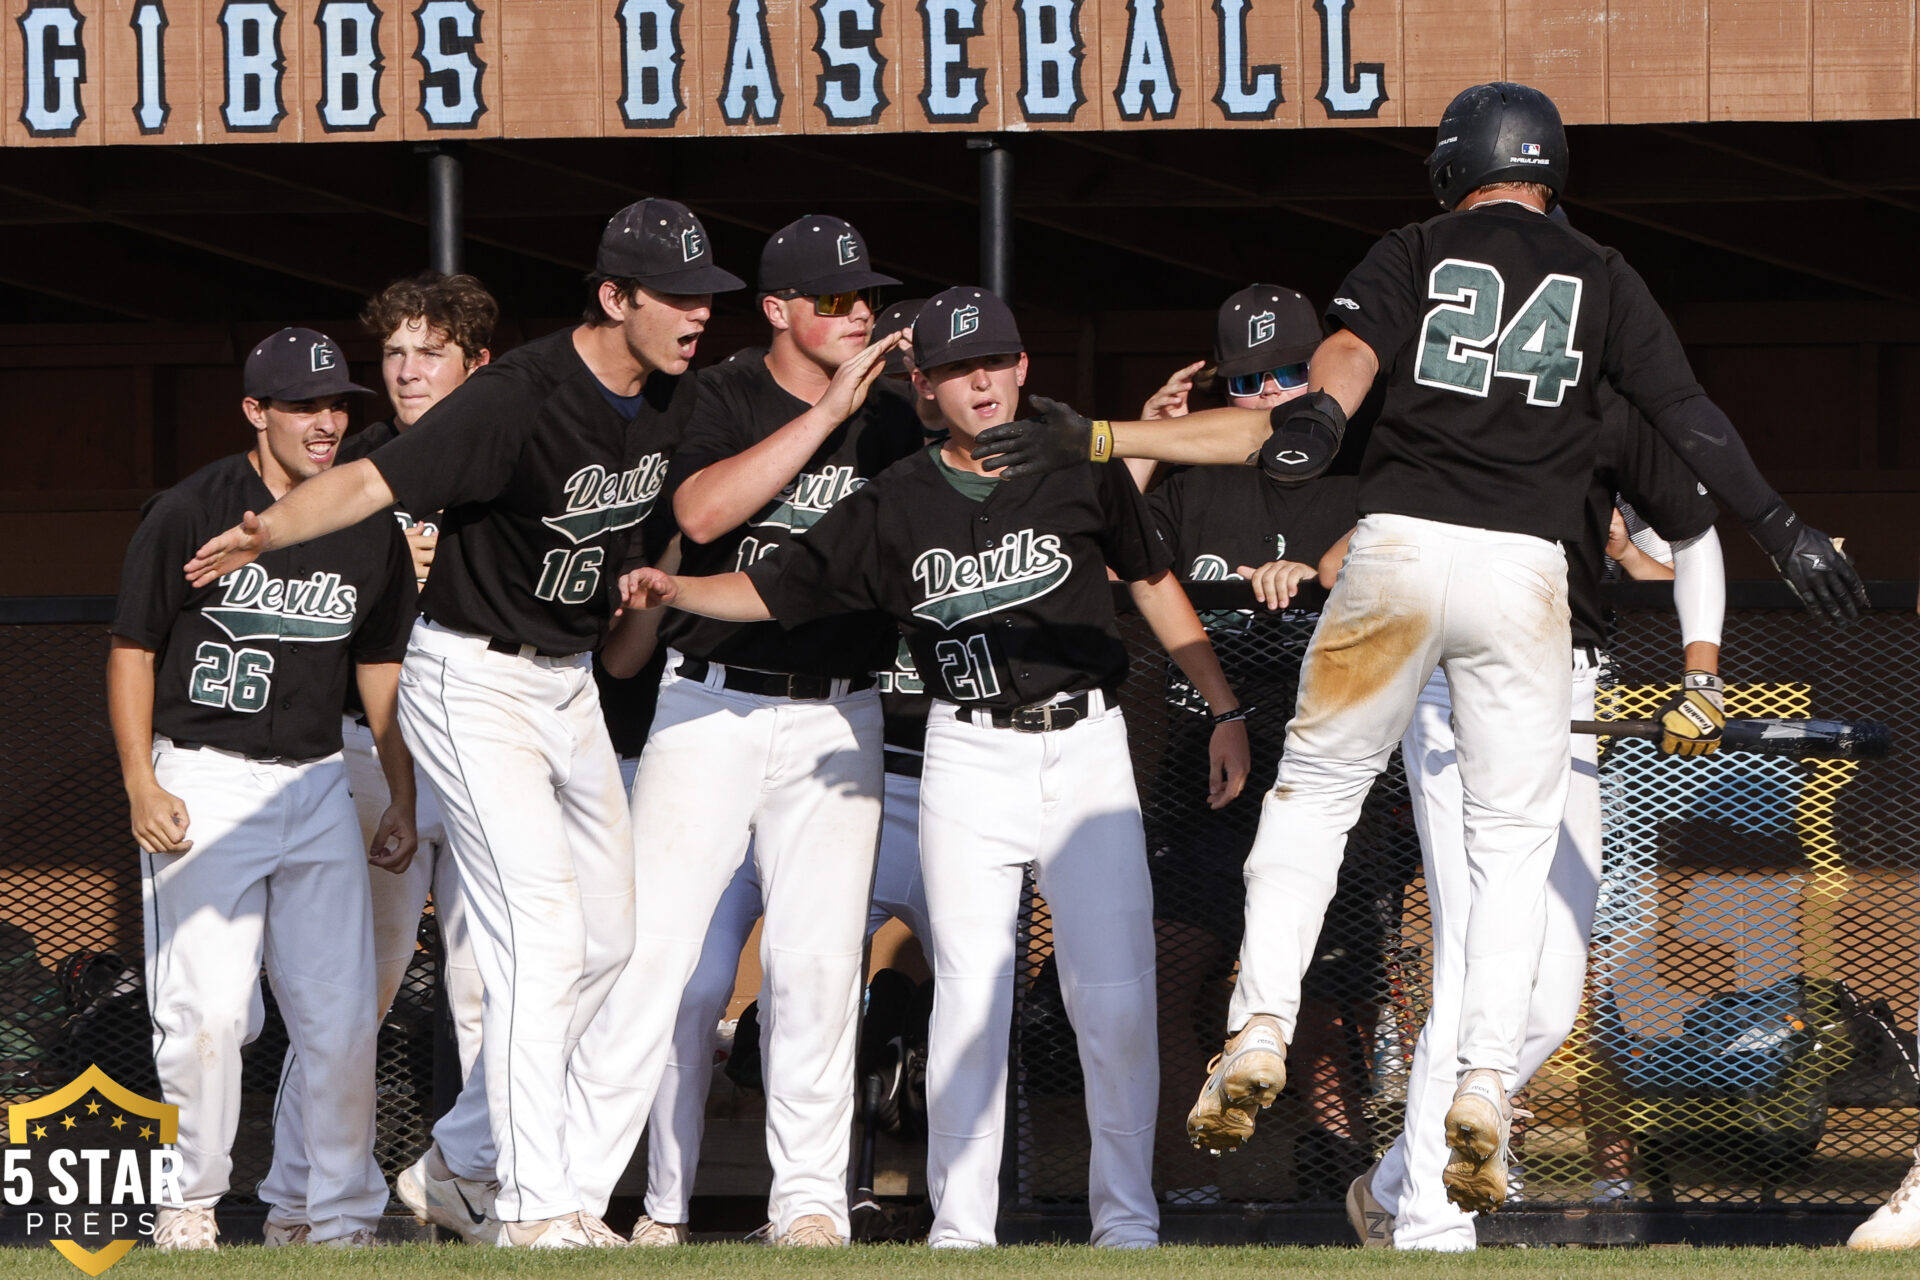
x=1501 y=132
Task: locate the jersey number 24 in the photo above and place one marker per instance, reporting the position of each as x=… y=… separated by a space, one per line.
x=1535 y=347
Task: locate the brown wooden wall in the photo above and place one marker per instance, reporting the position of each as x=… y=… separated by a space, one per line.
x=98 y=417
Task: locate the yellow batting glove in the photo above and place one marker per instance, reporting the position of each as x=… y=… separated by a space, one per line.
x=1690 y=722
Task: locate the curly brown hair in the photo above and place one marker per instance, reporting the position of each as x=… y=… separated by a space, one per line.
x=458 y=306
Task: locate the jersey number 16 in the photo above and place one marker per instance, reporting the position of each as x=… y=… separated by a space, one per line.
x=1536 y=347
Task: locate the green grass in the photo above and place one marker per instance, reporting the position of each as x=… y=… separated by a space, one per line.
x=893 y=1262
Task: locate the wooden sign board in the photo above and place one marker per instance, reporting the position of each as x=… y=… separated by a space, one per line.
x=93 y=72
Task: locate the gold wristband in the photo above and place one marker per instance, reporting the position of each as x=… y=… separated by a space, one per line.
x=1102 y=445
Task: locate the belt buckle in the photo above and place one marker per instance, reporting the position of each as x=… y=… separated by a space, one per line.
x=1032 y=719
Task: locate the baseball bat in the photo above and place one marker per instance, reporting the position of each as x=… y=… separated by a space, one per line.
x=1802 y=739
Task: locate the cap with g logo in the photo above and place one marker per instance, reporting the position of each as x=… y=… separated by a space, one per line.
x=663 y=246
x=899 y=315
x=297 y=364
x=818 y=254
x=1264 y=326
x=964 y=323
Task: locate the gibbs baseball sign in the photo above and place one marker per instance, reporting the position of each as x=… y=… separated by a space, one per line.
x=86 y=1165
x=91 y=72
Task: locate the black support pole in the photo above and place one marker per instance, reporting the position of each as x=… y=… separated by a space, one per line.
x=446 y=209
x=996 y=216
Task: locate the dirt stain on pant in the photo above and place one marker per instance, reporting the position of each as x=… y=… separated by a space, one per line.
x=1353 y=658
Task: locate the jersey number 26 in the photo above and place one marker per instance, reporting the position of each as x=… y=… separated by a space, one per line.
x=1536 y=347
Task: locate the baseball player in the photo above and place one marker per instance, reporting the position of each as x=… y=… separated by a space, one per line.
x=1494 y=327
x=677 y=1121
x=545 y=464
x=1402 y=1200
x=225 y=699
x=434 y=331
x=764 y=734
x=1238 y=523
x=1001 y=590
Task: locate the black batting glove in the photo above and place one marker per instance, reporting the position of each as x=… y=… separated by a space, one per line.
x=1059 y=438
x=1306 y=434
x=1819 y=573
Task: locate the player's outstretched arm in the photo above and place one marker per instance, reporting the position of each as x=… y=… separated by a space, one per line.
x=395 y=837
x=730 y=597
x=160 y=818
x=1165 y=606
x=342 y=496
x=723 y=495
x=636 y=632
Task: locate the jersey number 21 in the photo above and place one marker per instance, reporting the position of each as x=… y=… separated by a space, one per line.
x=1536 y=347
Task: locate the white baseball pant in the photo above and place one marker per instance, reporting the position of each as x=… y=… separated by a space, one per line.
x=992 y=803
x=677 y=1122
x=398 y=901
x=801 y=781
x=1408 y=1183
x=1490 y=609
x=529 y=787
x=276 y=873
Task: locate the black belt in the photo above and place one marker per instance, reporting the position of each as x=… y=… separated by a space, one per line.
x=904 y=763
x=500 y=645
x=1042 y=717
x=772 y=684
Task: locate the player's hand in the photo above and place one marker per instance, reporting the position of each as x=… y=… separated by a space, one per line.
x=422 y=544
x=852 y=380
x=1229 y=761
x=1692 y=720
x=1306 y=434
x=1059 y=438
x=1170 y=401
x=225 y=552
x=1618 y=543
x=394 y=840
x=159 y=821
x=1811 y=563
x=647 y=588
x=1276 y=582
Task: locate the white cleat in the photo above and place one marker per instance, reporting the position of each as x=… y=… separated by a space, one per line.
x=567 y=1231
x=1247 y=1076
x=1479 y=1124
x=602 y=1235
x=648 y=1234
x=185 y=1230
x=812 y=1231
x=1895 y=1224
x=441 y=1198
x=362 y=1238
x=281 y=1232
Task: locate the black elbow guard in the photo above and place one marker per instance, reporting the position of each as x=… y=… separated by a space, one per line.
x=1306 y=434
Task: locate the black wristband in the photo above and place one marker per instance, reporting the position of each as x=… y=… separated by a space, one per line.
x=1776 y=530
x=1240 y=712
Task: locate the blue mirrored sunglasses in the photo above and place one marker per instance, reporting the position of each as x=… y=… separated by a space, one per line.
x=1289 y=377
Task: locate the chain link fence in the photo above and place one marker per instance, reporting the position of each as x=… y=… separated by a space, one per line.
x=1749 y=1033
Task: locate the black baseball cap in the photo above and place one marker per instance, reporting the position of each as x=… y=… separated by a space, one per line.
x=663 y=246
x=964 y=323
x=298 y=364
x=900 y=315
x=1264 y=326
x=818 y=254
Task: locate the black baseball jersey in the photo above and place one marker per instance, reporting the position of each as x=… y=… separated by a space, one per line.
x=542 y=478
x=741 y=405
x=1637 y=464
x=1495 y=328
x=259 y=661
x=1004 y=600
x=356 y=446
x=904 y=701
x=1218 y=518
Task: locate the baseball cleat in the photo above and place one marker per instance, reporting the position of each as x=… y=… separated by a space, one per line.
x=602 y=1235
x=184 y=1230
x=1895 y=1224
x=363 y=1238
x=812 y=1231
x=281 y=1232
x=567 y=1231
x=1479 y=1124
x=1246 y=1077
x=1370 y=1222
x=441 y=1198
x=648 y=1234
